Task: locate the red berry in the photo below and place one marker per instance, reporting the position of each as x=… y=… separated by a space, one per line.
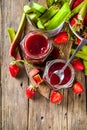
x=30 y=92
x=73 y=20
x=14 y=70
x=77 y=88
x=78 y=40
x=61 y=37
x=77 y=64
x=56 y=97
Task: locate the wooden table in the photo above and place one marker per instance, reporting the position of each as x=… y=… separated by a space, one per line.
x=19 y=113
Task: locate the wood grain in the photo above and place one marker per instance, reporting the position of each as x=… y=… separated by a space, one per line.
x=14 y=102
x=18 y=113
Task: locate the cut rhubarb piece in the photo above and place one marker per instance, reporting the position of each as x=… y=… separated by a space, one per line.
x=37 y=78
x=33 y=72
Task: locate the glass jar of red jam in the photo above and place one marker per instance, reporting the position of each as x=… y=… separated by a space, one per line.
x=36 y=46
x=53 y=81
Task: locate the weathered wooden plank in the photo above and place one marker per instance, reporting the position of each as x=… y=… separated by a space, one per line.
x=0 y=76
x=77 y=110
x=14 y=102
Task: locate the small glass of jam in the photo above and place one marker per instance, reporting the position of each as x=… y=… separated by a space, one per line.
x=53 y=81
x=36 y=46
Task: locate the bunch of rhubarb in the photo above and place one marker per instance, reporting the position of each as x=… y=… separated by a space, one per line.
x=44 y=18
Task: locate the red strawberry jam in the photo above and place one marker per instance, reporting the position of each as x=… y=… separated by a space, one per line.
x=36 y=46
x=53 y=80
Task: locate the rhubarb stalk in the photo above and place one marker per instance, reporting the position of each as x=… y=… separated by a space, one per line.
x=84 y=50
x=11 y=34
x=80 y=54
x=83 y=11
x=76 y=9
x=14 y=45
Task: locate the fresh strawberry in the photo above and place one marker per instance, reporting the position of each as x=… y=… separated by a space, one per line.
x=76 y=23
x=14 y=70
x=61 y=37
x=56 y=97
x=30 y=92
x=77 y=88
x=73 y=20
x=77 y=64
x=78 y=40
x=76 y=3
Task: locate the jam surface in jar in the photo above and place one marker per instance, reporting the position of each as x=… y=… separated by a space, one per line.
x=36 y=46
x=55 y=79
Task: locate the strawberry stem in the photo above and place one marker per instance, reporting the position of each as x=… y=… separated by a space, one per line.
x=22 y=61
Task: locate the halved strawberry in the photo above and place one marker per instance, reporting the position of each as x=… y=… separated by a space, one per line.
x=77 y=64
x=56 y=97
x=77 y=88
x=30 y=92
x=14 y=70
x=61 y=37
